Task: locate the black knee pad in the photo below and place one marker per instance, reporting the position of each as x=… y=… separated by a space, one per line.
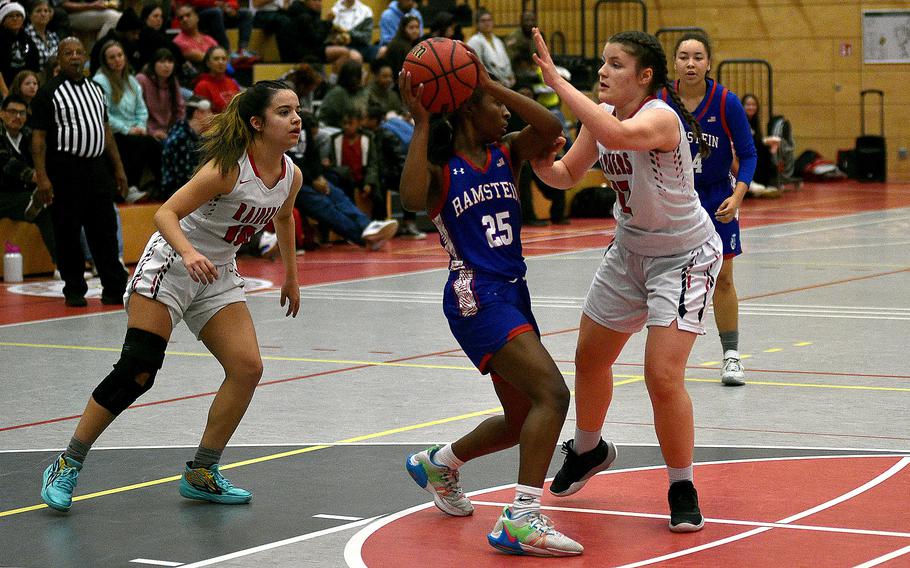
x=143 y=352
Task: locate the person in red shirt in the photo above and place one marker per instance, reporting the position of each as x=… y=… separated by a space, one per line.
x=356 y=162
x=193 y=43
x=214 y=84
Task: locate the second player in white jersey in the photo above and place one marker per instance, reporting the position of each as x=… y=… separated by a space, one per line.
x=657 y=211
x=659 y=272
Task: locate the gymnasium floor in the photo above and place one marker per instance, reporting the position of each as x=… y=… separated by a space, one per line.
x=807 y=465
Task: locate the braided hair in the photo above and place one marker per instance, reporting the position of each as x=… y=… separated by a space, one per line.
x=648 y=52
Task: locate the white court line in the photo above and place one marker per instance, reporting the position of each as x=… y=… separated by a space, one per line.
x=271 y=545
x=155 y=562
x=737 y=522
x=337 y=517
x=849 y=495
x=884 y=558
x=352 y=550
x=836 y=227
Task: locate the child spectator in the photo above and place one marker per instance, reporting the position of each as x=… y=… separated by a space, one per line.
x=181 y=147
x=354 y=160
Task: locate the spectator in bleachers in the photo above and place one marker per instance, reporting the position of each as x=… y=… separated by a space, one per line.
x=193 y=43
x=91 y=16
x=181 y=147
x=326 y=203
x=17 y=172
x=442 y=25
x=214 y=84
x=71 y=171
x=343 y=97
x=392 y=150
x=391 y=17
x=25 y=86
x=152 y=36
x=128 y=118
x=381 y=91
x=306 y=82
x=354 y=160
x=50 y=70
x=215 y=15
x=765 y=170
x=356 y=18
x=45 y=39
x=313 y=43
x=405 y=39
x=521 y=40
x=272 y=17
x=17 y=50
x=491 y=50
x=161 y=93
x=126 y=33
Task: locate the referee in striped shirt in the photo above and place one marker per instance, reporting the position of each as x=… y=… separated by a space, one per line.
x=70 y=140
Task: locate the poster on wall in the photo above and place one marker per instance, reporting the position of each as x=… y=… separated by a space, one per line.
x=886 y=36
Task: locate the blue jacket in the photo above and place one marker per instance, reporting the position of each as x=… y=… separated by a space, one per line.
x=391 y=17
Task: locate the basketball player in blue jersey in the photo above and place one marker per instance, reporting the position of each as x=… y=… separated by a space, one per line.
x=725 y=129
x=657 y=273
x=462 y=170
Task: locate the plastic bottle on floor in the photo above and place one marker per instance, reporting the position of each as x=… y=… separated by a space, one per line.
x=12 y=264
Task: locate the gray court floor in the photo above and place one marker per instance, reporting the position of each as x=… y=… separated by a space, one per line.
x=369 y=372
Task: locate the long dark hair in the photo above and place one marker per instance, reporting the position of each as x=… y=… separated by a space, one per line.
x=403 y=25
x=442 y=130
x=163 y=54
x=231 y=132
x=648 y=53
x=754 y=120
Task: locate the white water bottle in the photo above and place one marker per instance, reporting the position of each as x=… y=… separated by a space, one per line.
x=12 y=264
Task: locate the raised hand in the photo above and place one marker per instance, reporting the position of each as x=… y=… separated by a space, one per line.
x=543 y=59
x=411 y=99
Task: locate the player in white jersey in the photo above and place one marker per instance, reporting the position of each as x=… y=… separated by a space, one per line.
x=659 y=272
x=188 y=271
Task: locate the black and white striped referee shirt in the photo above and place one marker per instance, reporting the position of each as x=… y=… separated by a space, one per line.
x=73 y=115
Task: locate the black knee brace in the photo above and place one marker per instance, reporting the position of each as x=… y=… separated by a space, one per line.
x=143 y=353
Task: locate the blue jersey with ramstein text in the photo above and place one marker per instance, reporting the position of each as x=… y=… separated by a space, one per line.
x=479 y=215
x=724 y=128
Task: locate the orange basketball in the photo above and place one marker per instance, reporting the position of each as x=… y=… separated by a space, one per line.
x=446 y=70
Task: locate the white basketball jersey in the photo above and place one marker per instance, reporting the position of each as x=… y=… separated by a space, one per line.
x=657 y=211
x=220 y=226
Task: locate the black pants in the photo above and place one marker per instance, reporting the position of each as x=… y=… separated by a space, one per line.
x=136 y=152
x=13 y=205
x=83 y=198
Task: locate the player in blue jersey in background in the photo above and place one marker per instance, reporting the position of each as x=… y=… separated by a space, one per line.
x=725 y=129
x=462 y=170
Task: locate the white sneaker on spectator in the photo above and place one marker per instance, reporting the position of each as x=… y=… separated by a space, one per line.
x=378 y=232
x=134 y=195
x=410 y=231
x=268 y=245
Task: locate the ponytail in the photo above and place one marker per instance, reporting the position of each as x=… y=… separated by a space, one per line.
x=649 y=53
x=231 y=132
x=703 y=150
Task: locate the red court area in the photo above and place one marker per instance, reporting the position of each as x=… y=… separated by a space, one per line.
x=844 y=511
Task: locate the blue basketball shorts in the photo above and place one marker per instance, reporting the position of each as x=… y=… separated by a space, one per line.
x=485 y=313
x=711 y=197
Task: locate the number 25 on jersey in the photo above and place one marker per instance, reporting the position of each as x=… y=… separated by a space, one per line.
x=499 y=231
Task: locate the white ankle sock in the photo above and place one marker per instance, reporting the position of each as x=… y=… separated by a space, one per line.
x=680 y=474
x=527 y=500
x=585 y=441
x=445 y=456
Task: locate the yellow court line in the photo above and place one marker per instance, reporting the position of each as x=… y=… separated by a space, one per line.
x=810 y=385
x=280 y=455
